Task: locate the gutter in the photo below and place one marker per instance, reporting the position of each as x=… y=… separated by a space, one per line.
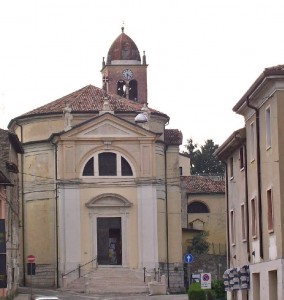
x=228 y=221
x=56 y=215
x=246 y=203
x=258 y=176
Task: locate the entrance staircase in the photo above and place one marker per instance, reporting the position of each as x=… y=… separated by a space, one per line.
x=110 y=280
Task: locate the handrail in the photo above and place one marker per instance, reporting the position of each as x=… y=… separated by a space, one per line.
x=79 y=268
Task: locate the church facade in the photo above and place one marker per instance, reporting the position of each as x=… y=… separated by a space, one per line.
x=101 y=178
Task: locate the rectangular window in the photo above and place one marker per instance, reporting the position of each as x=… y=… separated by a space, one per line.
x=231 y=167
x=242 y=158
x=253 y=218
x=272 y=285
x=232 y=227
x=256 y=286
x=268 y=127
x=270 y=221
x=243 y=222
x=252 y=142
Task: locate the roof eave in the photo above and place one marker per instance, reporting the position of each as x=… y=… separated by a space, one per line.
x=236 y=139
x=268 y=72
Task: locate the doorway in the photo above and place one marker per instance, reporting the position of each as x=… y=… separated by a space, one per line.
x=109 y=241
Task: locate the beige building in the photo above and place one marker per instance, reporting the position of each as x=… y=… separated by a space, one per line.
x=255 y=171
x=10 y=147
x=204 y=210
x=101 y=178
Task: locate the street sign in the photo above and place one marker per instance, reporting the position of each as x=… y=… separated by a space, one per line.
x=31 y=258
x=188 y=258
x=206 y=280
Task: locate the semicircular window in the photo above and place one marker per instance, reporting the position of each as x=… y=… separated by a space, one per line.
x=107 y=164
x=197 y=207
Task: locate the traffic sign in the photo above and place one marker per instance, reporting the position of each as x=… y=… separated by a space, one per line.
x=206 y=280
x=188 y=258
x=31 y=258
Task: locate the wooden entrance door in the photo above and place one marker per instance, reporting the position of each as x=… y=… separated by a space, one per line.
x=109 y=241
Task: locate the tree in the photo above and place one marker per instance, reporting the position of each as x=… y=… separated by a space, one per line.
x=199 y=244
x=202 y=160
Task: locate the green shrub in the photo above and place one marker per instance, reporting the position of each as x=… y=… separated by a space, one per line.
x=218 y=288
x=195 y=287
x=196 y=293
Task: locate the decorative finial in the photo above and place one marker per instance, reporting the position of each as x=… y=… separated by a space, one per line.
x=106 y=106
x=67 y=116
x=144 y=58
x=122 y=27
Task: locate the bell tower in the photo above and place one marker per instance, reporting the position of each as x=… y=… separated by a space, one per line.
x=123 y=73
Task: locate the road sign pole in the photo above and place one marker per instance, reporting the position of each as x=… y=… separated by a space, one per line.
x=31 y=261
x=31 y=281
x=188 y=274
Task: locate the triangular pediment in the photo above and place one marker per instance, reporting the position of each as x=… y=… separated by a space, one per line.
x=107 y=126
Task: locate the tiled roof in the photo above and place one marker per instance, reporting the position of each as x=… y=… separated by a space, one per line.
x=88 y=99
x=173 y=137
x=202 y=185
x=275 y=68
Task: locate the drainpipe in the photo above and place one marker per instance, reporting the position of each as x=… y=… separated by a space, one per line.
x=228 y=227
x=167 y=221
x=56 y=215
x=23 y=208
x=247 y=205
x=258 y=176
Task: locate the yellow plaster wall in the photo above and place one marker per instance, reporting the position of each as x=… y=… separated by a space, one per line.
x=215 y=220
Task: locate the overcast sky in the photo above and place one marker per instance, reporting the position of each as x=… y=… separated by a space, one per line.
x=202 y=55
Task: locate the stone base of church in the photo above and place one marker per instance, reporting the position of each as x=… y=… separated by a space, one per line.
x=44 y=277
x=176 y=276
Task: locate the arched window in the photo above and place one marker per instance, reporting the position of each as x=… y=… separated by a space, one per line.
x=121 y=88
x=133 y=90
x=89 y=168
x=197 y=207
x=107 y=164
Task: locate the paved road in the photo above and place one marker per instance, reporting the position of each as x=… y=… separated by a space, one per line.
x=65 y=295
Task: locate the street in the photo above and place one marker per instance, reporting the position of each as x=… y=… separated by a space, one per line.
x=24 y=294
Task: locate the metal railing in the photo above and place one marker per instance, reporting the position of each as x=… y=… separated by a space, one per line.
x=79 y=269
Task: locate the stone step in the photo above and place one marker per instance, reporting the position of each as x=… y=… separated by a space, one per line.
x=111 y=280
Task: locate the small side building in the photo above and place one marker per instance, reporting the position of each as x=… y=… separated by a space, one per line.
x=204 y=210
x=10 y=147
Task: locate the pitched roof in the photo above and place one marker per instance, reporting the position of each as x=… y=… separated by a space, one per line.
x=173 y=137
x=202 y=185
x=87 y=100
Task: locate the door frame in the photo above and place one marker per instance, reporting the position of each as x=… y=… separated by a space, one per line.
x=110 y=205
